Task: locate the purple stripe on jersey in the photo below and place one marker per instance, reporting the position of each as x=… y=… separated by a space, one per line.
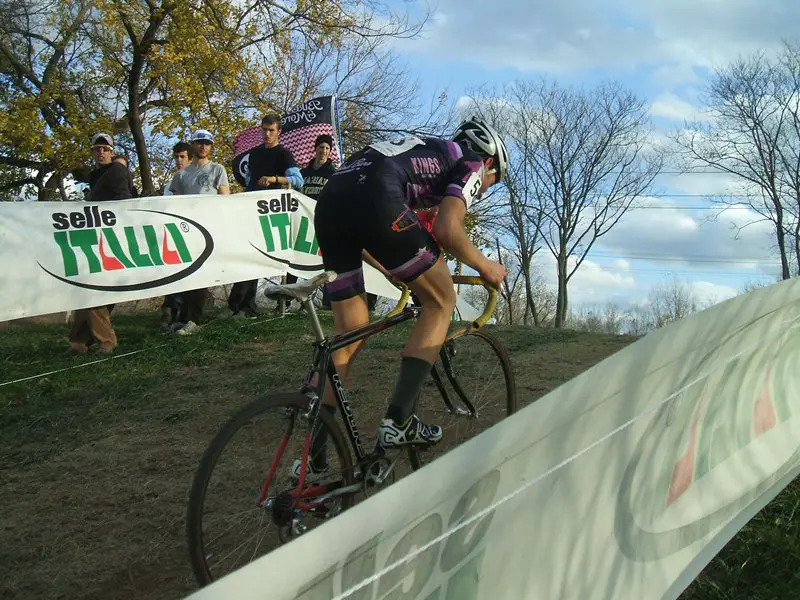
x=474 y=165
x=411 y=269
x=454 y=149
x=456 y=190
x=351 y=279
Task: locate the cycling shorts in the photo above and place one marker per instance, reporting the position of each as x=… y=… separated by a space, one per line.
x=364 y=210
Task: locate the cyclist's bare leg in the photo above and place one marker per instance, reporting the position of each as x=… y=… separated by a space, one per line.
x=347 y=314
x=436 y=294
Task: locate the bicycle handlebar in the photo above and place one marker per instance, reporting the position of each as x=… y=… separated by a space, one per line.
x=405 y=296
x=491 y=303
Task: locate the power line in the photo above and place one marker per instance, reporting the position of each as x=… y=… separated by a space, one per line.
x=687 y=259
x=633 y=269
x=679 y=208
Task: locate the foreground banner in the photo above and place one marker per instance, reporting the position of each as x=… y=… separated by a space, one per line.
x=621 y=484
x=58 y=256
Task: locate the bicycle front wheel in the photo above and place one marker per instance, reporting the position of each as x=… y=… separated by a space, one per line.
x=471 y=388
x=246 y=498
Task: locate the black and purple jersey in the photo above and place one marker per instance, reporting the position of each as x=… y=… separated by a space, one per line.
x=424 y=169
x=370 y=204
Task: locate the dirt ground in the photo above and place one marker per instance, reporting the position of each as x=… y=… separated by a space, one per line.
x=96 y=461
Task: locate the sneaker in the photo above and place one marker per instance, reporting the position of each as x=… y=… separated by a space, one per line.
x=413 y=431
x=188 y=329
x=312 y=474
x=251 y=310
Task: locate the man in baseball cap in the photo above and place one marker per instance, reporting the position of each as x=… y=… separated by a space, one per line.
x=102 y=139
x=202 y=176
x=202 y=135
x=109 y=180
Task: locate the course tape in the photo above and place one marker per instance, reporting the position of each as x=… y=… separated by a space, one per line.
x=482 y=513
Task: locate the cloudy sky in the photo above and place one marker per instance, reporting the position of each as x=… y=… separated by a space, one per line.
x=662 y=50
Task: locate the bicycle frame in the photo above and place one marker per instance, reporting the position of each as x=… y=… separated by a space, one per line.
x=322 y=362
x=324 y=347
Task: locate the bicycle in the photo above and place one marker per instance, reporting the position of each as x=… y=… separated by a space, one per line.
x=294 y=505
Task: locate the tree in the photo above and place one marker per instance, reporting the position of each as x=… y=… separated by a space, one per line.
x=513 y=212
x=789 y=141
x=151 y=70
x=48 y=105
x=743 y=137
x=376 y=93
x=670 y=301
x=598 y=320
x=586 y=159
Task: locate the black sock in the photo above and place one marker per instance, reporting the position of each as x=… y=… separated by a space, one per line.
x=413 y=372
x=319 y=440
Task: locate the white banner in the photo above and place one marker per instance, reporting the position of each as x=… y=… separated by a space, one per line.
x=621 y=484
x=60 y=256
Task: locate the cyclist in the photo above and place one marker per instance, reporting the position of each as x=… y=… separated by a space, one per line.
x=366 y=210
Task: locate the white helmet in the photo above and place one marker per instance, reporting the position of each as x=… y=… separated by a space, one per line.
x=482 y=138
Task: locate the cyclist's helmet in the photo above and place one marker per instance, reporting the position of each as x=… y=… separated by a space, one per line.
x=482 y=138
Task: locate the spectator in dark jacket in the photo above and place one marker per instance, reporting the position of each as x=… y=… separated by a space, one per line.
x=272 y=167
x=110 y=180
x=319 y=169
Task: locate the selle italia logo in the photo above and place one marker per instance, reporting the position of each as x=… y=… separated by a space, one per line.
x=714 y=448
x=144 y=253
x=287 y=234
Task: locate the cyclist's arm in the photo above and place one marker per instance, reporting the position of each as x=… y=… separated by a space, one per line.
x=448 y=229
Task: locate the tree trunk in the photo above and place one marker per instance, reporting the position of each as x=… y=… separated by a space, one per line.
x=505 y=292
x=135 y=124
x=561 y=299
x=797 y=237
x=49 y=191
x=530 y=301
x=781 y=238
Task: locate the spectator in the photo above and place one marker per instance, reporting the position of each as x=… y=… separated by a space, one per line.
x=202 y=176
x=110 y=180
x=272 y=167
x=182 y=154
x=319 y=169
x=123 y=160
x=315 y=176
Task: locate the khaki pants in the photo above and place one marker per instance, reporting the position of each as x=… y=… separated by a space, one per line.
x=92 y=325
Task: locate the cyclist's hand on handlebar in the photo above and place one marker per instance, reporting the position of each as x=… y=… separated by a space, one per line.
x=492 y=272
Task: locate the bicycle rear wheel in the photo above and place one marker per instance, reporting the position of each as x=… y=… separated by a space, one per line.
x=471 y=388
x=245 y=500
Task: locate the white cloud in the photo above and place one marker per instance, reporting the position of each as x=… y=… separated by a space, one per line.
x=622 y=264
x=576 y=34
x=704 y=182
x=702 y=239
x=708 y=293
x=670 y=106
x=593 y=282
x=674 y=74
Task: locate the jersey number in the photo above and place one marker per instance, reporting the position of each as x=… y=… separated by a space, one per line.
x=395 y=147
x=471 y=188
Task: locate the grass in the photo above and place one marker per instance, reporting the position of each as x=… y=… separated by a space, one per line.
x=96 y=461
